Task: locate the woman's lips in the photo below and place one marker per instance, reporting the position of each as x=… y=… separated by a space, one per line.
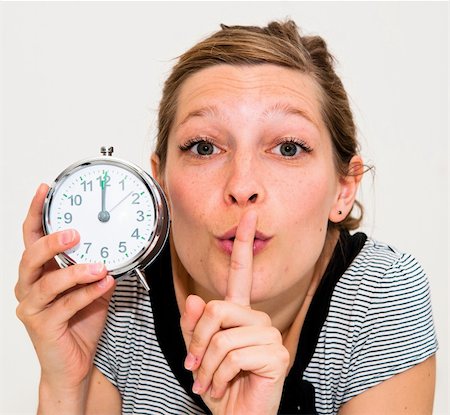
x=226 y=241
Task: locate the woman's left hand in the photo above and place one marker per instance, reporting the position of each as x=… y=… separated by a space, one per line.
x=237 y=357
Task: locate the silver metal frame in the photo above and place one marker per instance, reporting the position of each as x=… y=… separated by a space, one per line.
x=160 y=231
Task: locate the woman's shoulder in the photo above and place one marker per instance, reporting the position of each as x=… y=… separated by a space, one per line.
x=383 y=286
x=384 y=294
x=379 y=265
x=379 y=323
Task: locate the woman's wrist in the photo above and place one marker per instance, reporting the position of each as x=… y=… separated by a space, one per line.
x=61 y=399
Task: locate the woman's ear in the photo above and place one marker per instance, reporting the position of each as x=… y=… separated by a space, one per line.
x=159 y=177
x=156 y=172
x=347 y=190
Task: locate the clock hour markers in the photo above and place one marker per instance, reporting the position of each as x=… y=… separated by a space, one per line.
x=119 y=211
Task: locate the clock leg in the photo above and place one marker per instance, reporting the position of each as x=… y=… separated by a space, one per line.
x=142 y=279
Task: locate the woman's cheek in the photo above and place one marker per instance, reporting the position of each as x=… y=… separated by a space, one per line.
x=191 y=216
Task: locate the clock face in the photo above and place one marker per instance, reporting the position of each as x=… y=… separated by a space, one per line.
x=112 y=209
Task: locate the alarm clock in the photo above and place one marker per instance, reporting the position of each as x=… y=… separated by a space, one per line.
x=118 y=209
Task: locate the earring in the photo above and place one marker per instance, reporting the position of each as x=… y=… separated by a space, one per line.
x=339 y=212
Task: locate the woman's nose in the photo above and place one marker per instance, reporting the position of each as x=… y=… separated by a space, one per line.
x=242 y=199
x=243 y=186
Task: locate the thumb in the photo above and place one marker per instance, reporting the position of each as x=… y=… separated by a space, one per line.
x=193 y=310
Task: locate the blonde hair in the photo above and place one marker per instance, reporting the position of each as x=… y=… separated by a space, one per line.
x=282 y=44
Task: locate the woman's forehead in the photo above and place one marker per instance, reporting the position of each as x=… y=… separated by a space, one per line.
x=268 y=89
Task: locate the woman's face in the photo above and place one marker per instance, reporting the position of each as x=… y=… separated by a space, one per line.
x=250 y=137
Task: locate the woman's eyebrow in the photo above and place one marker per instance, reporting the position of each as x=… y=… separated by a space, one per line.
x=284 y=108
x=210 y=111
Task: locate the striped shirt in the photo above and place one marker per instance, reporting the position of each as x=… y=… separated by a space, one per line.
x=370 y=319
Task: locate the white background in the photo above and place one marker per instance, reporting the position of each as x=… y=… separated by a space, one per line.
x=76 y=76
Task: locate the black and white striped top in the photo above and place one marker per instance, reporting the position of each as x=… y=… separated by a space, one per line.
x=369 y=320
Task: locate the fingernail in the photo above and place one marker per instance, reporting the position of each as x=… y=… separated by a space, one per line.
x=196 y=387
x=67 y=237
x=103 y=282
x=96 y=269
x=189 y=362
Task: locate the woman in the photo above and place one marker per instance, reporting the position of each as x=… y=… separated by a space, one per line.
x=262 y=302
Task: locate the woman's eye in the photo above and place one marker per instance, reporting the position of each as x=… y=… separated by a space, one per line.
x=291 y=148
x=204 y=148
x=201 y=148
x=288 y=149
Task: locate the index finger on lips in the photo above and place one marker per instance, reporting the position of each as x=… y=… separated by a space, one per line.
x=32 y=226
x=240 y=274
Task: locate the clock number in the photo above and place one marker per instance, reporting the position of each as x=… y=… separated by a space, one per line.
x=75 y=200
x=104 y=180
x=136 y=198
x=87 y=247
x=135 y=234
x=104 y=252
x=122 y=182
x=87 y=185
x=67 y=217
x=140 y=214
x=122 y=247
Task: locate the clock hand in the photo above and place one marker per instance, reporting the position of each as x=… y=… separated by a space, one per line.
x=103 y=186
x=103 y=215
x=117 y=204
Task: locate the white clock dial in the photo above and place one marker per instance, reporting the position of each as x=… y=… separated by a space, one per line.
x=111 y=208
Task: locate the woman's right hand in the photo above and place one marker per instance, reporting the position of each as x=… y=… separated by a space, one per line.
x=63 y=310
